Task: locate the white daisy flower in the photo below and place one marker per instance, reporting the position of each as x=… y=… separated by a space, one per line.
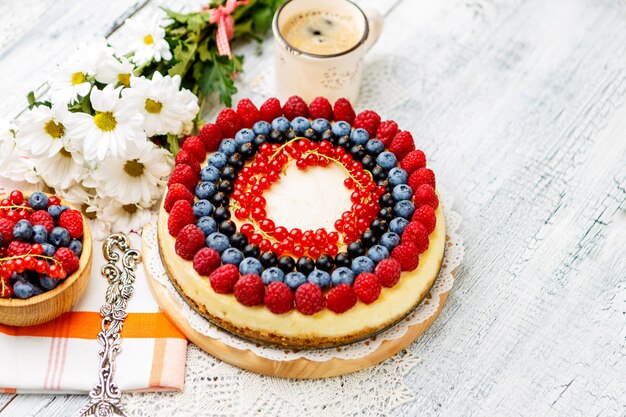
x=91 y=205
x=61 y=170
x=137 y=178
x=14 y=164
x=125 y=217
x=71 y=79
x=144 y=37
x=113 y=70
x=164 y=106
x=42 y=130
x=108 y=132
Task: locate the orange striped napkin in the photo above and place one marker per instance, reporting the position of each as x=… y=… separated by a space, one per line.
x=62 y=355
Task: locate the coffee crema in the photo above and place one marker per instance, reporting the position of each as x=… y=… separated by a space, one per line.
x=321 y=32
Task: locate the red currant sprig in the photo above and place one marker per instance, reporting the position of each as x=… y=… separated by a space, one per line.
x=34 y=260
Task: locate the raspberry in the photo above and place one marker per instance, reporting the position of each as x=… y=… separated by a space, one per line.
x=189 y=241
x=271 y=109
x=407 y=254
x=72 y=220
x=386 y=131
x=183 y=174
x=426 y=216
x=309 y=299
x=368 y=120
x=195 y=147
x=68 y=259
x=402 y=144
x=341 y=298
x=206 y=260
x=42 y=218
x=181 y=215
x=211 y=136
x=223 y=279
x=278 y=297
x=421 y=176
x=249 y=290
x=367 y=287
x=295 y=107
x=53 y=200
x=413 y=161
x=6 y=230
x=248 y=112
x=174 y=193
x=388 y=272
x=320 y=108
x=184 y=158
x=425 y=195
x=416 y=233
x=343 y=111
x=17 y=248
x=229 y=121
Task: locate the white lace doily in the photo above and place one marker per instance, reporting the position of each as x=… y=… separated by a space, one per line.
x=428 y=307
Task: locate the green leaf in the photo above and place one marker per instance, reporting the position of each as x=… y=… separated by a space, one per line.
x=31 y=99
x=172 y=144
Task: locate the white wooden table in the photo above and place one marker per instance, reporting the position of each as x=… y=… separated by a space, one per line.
x=520 y=107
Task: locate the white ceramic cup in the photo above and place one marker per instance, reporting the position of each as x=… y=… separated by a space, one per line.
x=311 y=75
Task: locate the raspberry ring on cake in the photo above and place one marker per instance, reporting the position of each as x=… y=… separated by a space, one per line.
x=249 y=243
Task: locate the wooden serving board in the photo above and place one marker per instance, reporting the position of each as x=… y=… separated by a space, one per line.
x=298 y=368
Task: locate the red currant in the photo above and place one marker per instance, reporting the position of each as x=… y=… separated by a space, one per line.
x=16 y=197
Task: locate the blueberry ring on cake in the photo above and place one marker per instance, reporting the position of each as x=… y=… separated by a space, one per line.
x=301 y=226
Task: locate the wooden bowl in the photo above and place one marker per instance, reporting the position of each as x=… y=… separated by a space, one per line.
x=49 y=305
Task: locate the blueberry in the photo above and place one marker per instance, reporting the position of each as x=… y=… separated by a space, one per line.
x=262 y=128
x=377 y=253
x=319 y=278
x=250 y=266
x=244 y=136
x=207 y=225
x=232 y=256
x=228 y=147
x=23 y=289
x=48 y=283
x=218 y=160
x=59 y=236
x=398 y=225
x=23 y=230
x=294 y=280
x=402 y=192
x=202 y=208
x=1 y=238
x=38 y=200
x=386 y=160
x=320 y=125
x=208 y=173
x=404 y=209
x=397 y=176
x=76 y=246
x=54 y=211
x=300 y=125
x=217 y=241
x=48 y=249
x=205 y=189
x=340 y=128
x=362 y=264
x=64 y=208
x=272 y=274
x=40 y=234
x=359 y=136
x=374 y=147
x=281 y=124
x=342 y=275
x=390 y=240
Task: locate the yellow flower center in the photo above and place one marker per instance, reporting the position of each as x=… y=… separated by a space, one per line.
x=153 y=106
x=148 y=40
x=134 y=168
x=54 y=129
x=78 y=78
x=105 y=121
x=129 y=208
x=124 y=79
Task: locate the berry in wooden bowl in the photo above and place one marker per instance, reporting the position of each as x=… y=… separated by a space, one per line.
x=45 y=257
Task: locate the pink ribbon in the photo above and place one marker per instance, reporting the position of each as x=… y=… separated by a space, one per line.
x=225 y=24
